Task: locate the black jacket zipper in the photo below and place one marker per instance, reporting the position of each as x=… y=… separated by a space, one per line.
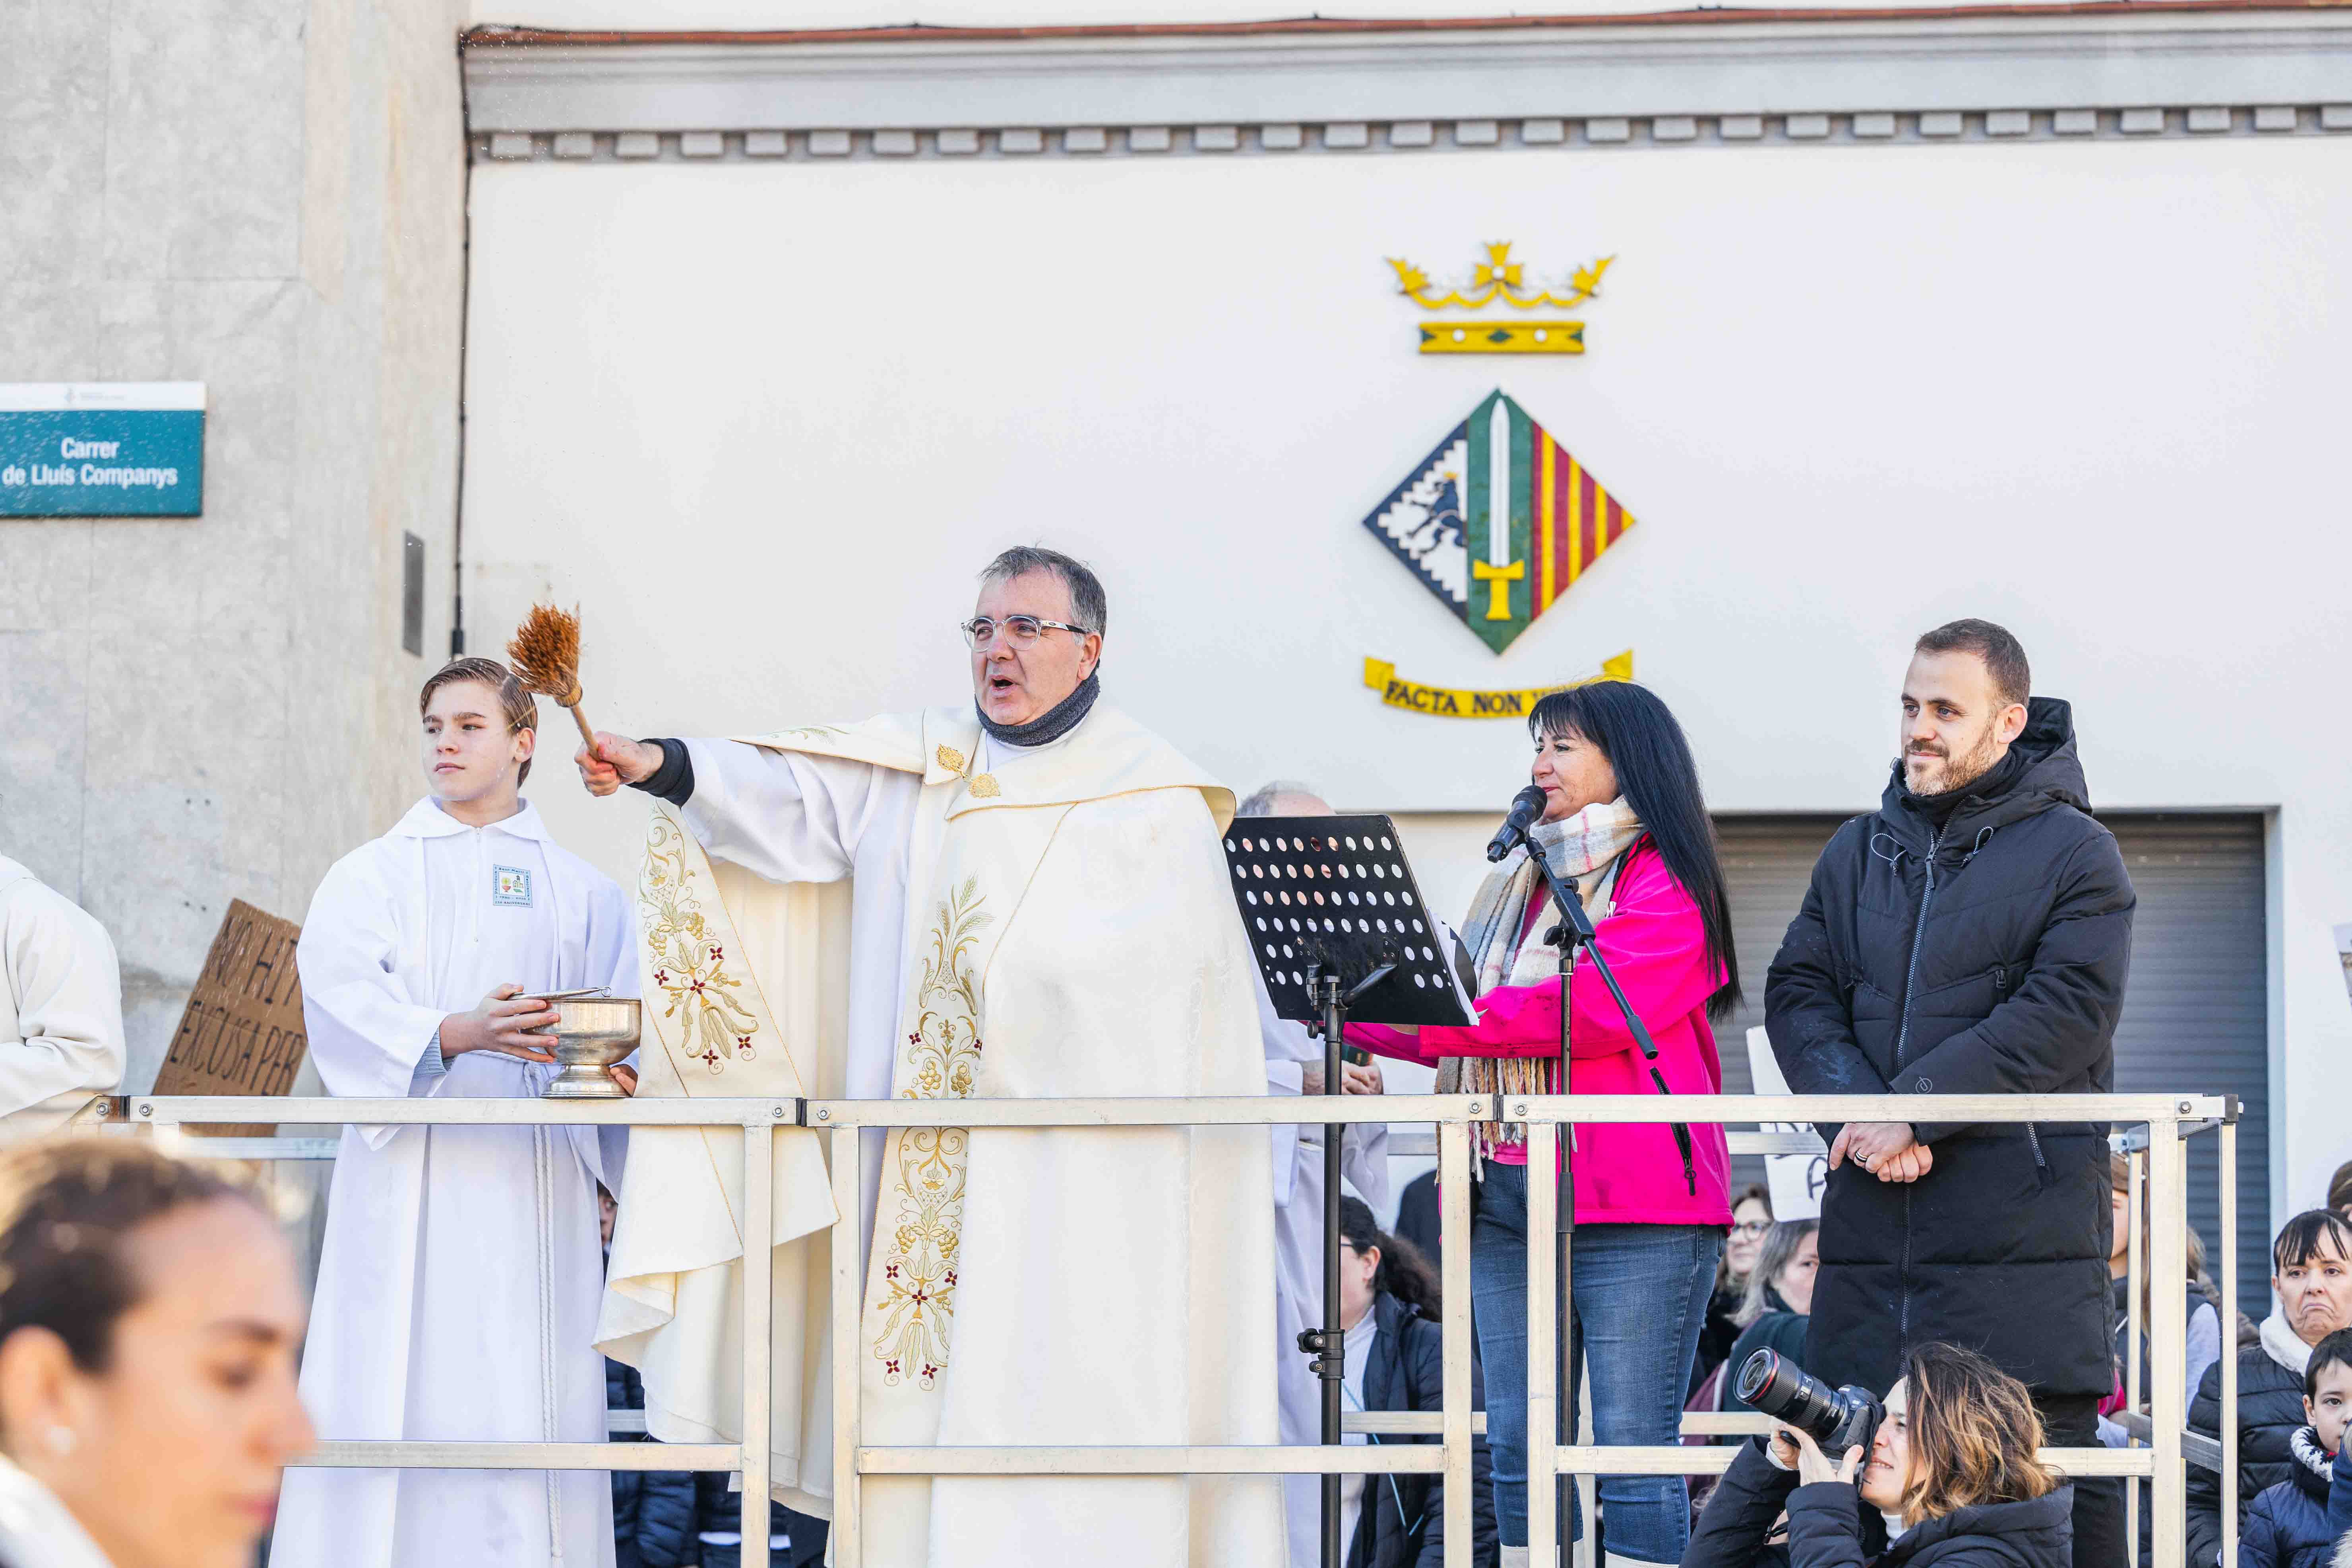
x=1902 y=1038
x=1918 y=937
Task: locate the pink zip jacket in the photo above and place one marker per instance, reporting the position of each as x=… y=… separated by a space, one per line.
x=1626 y=1174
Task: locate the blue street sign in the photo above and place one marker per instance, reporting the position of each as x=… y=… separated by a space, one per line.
x=103 y=449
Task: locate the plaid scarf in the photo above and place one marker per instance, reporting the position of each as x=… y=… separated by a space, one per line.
x=1594 y=839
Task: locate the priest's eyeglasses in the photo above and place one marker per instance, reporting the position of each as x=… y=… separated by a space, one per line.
x=1019 y=631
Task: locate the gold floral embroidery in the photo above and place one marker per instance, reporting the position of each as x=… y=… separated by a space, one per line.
x=943 y=1050
x=688 y=966
x=983 y=786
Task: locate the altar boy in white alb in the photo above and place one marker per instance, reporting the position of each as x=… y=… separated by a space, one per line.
x=1040 y=909
x=462 y=1268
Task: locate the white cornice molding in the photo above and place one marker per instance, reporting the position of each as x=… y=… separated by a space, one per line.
x=1988 y=76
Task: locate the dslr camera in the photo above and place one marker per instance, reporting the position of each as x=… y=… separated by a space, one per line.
x=1835 y=1418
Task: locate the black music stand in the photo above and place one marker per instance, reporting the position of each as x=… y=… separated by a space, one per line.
x=1338 y=925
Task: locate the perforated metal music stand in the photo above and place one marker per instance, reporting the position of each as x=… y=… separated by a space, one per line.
x=1339 y=927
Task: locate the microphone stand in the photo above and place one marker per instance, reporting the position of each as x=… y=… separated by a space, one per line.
x=1575 y=930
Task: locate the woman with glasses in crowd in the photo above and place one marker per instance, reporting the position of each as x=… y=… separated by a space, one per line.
x=1751 y=1218
x=1623 y=815
x=149 y=1320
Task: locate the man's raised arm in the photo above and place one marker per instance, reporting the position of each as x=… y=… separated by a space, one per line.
x=787 y=815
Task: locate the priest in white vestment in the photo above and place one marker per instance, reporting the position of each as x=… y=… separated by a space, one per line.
x=1040 y=908
x=461 y=1273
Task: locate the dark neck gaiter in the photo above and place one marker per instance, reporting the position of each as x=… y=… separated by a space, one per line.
x=1051 y=725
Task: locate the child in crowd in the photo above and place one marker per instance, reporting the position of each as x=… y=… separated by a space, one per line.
x=460 y=1278
x=2287 y=1526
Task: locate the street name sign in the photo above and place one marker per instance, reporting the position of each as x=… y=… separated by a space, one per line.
x=102 y=448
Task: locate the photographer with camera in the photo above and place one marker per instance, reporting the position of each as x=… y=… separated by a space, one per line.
x=1943 y=1472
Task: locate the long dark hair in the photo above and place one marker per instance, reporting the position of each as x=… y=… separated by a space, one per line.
x=1642 y=741
x=1403 y=1272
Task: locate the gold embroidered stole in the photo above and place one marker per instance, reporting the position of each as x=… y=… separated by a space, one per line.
x=965 y=884
x=712 y=1029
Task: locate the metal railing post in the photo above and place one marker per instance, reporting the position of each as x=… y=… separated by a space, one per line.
x=1453 y=1268
x=2228 y=1379
x=1544 y=1349
x=2135 y=1281
x=759 y=1333
x=2167 y=1338
x=847 y=1543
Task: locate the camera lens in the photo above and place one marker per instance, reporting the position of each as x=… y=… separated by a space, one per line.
x=1784 y=1391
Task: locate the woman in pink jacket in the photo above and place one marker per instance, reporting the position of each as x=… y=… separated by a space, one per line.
x=1623 y=815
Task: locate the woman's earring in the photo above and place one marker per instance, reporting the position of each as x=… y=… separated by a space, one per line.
x=60 y=1440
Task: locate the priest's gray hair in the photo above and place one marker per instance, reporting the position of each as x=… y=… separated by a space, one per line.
x=1262 y=799
x=1088 y=603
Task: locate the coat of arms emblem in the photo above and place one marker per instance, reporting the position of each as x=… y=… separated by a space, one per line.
x=1499 y=520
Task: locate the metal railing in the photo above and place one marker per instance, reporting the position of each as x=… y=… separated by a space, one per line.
x=2168 y=1120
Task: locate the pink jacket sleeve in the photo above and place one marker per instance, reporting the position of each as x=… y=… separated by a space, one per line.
x=1383 y=1041
x=1655 y=942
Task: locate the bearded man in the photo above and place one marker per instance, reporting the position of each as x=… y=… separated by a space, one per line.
x=1039 y=907
x=1968 y=937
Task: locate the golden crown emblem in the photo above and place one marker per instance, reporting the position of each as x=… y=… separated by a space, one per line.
x=1500 y=279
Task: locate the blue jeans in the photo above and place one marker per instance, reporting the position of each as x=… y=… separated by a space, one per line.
x=1640 y=1299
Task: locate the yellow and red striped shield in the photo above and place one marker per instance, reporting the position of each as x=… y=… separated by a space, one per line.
x=1499 y=520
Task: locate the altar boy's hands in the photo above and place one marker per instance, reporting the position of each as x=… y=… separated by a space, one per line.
x=617 y=761
x=626 y=1077
x=498 y=1025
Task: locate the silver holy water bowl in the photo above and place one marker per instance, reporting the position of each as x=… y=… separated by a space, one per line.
x=592 y=1031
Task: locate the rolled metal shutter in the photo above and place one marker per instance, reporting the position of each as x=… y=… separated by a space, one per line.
x=2196 y=1010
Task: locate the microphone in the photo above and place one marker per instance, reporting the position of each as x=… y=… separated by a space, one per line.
x=1526 y=807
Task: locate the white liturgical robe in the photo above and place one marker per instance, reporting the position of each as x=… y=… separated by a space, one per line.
x=60 y=1007
x=462 y=1268
x=1052 y=920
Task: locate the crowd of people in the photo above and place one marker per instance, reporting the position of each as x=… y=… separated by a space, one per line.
x=1970 y=936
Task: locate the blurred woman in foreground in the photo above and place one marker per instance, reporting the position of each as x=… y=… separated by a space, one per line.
x=149 y=1317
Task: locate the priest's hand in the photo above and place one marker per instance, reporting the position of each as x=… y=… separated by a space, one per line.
x=1353 y=1079
x=498 y=1025
x=626 y=1077
x=617 y=761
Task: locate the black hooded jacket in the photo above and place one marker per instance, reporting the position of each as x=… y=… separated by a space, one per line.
x=1983 y=956
x=1829 y=1527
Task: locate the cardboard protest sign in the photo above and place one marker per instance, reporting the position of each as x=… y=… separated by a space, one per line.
x=1796 y=1180
x=241 y=1032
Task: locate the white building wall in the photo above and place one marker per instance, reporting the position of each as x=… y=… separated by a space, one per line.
x=267 y=197
x=765 y=421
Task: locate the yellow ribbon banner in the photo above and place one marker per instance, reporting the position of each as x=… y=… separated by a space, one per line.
x=1452 y=702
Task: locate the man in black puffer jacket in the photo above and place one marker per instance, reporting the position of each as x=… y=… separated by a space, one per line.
x=1970 y=937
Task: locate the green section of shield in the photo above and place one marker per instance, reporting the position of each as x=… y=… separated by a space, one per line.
x=1484 y=514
